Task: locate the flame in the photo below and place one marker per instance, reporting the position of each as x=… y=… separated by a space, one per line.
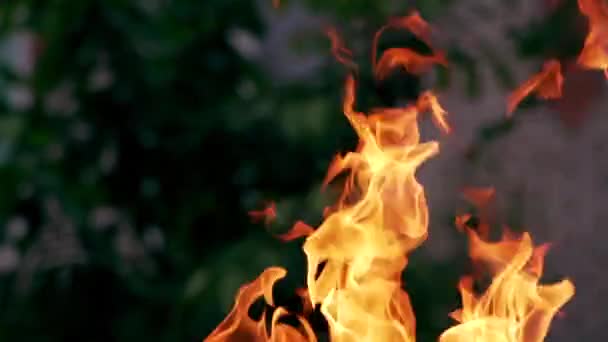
x=340 y=52
x=238 y=326
x=357 y=255
x=299 y=229
x=268 y=214
x=595 y=51
x=461 y=221
x=381 y=216
x=514 y=308
x=413 y=23
x=363 y=243
x=428 y=102
x=479 y=197
x=547 y=84
x=410 y=60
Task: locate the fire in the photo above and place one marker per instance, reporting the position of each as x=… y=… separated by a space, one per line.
x=238 y=326
x=481 y=198
x=514 y=308
x=547 y=84
x=268 y=214
x=357 y=255
x=300 y=229
x=595 y=50
x=412 y=61
x=339 y=50
x=381 y=216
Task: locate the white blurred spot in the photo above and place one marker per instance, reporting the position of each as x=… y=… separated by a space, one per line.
x=131 y=249
x=17 y=52
x=9 y=259
x=19 y=97
x=16 y=229
x=103 y=217
x=101 y=78
x=279 y=58
x=245 y=43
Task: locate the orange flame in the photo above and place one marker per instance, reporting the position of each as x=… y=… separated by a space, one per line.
x=268 y=214
x=595 y=51
x=461 y=221
x=238 y=326
x=415 y=24
x=363 y=243
x=514 y=308
x=428 y=102
x=339 y=50
x=409 y=59
x=381 y=216
x=547 y=84
x=357 y=255
x=299 y=229
x=481 y=198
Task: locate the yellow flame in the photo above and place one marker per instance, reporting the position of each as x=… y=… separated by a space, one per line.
x=365 y=242
x=357 y=255
x=514 y=308
x=238 y=326
x=595 y=51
